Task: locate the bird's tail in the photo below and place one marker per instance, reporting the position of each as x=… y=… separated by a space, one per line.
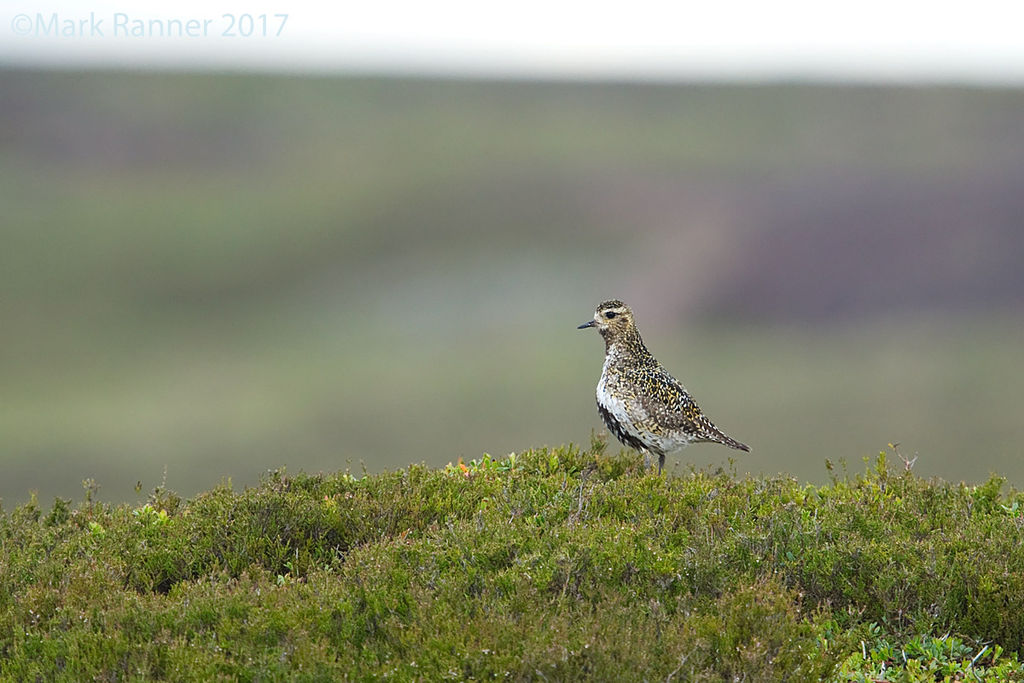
x=718 y=436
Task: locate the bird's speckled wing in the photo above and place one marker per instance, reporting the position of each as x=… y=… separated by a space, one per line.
x=666 y=401
x=672 y=408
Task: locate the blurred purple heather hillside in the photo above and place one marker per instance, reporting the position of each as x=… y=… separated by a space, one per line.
x=215 y=275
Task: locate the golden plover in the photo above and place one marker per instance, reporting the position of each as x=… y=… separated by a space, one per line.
x=644 y=406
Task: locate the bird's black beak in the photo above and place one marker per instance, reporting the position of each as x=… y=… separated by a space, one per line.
x=585 y=325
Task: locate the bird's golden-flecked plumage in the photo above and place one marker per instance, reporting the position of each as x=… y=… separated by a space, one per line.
x=644 y=406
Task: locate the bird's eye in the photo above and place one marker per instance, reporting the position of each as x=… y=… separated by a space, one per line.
x=609 y=314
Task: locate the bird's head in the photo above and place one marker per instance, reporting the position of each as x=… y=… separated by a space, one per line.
x=613 y=320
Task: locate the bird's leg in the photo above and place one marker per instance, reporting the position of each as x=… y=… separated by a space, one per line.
x=661 y=463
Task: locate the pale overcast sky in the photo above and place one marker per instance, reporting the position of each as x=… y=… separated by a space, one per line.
x=874 y=40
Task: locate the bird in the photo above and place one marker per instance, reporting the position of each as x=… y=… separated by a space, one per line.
x=641 y=403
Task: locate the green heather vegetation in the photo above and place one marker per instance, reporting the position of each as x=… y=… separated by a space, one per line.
x=552 y=564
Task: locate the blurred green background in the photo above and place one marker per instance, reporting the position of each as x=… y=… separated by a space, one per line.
x=206 y=276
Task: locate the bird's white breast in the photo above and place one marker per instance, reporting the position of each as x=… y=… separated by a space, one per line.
x=626 y=410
